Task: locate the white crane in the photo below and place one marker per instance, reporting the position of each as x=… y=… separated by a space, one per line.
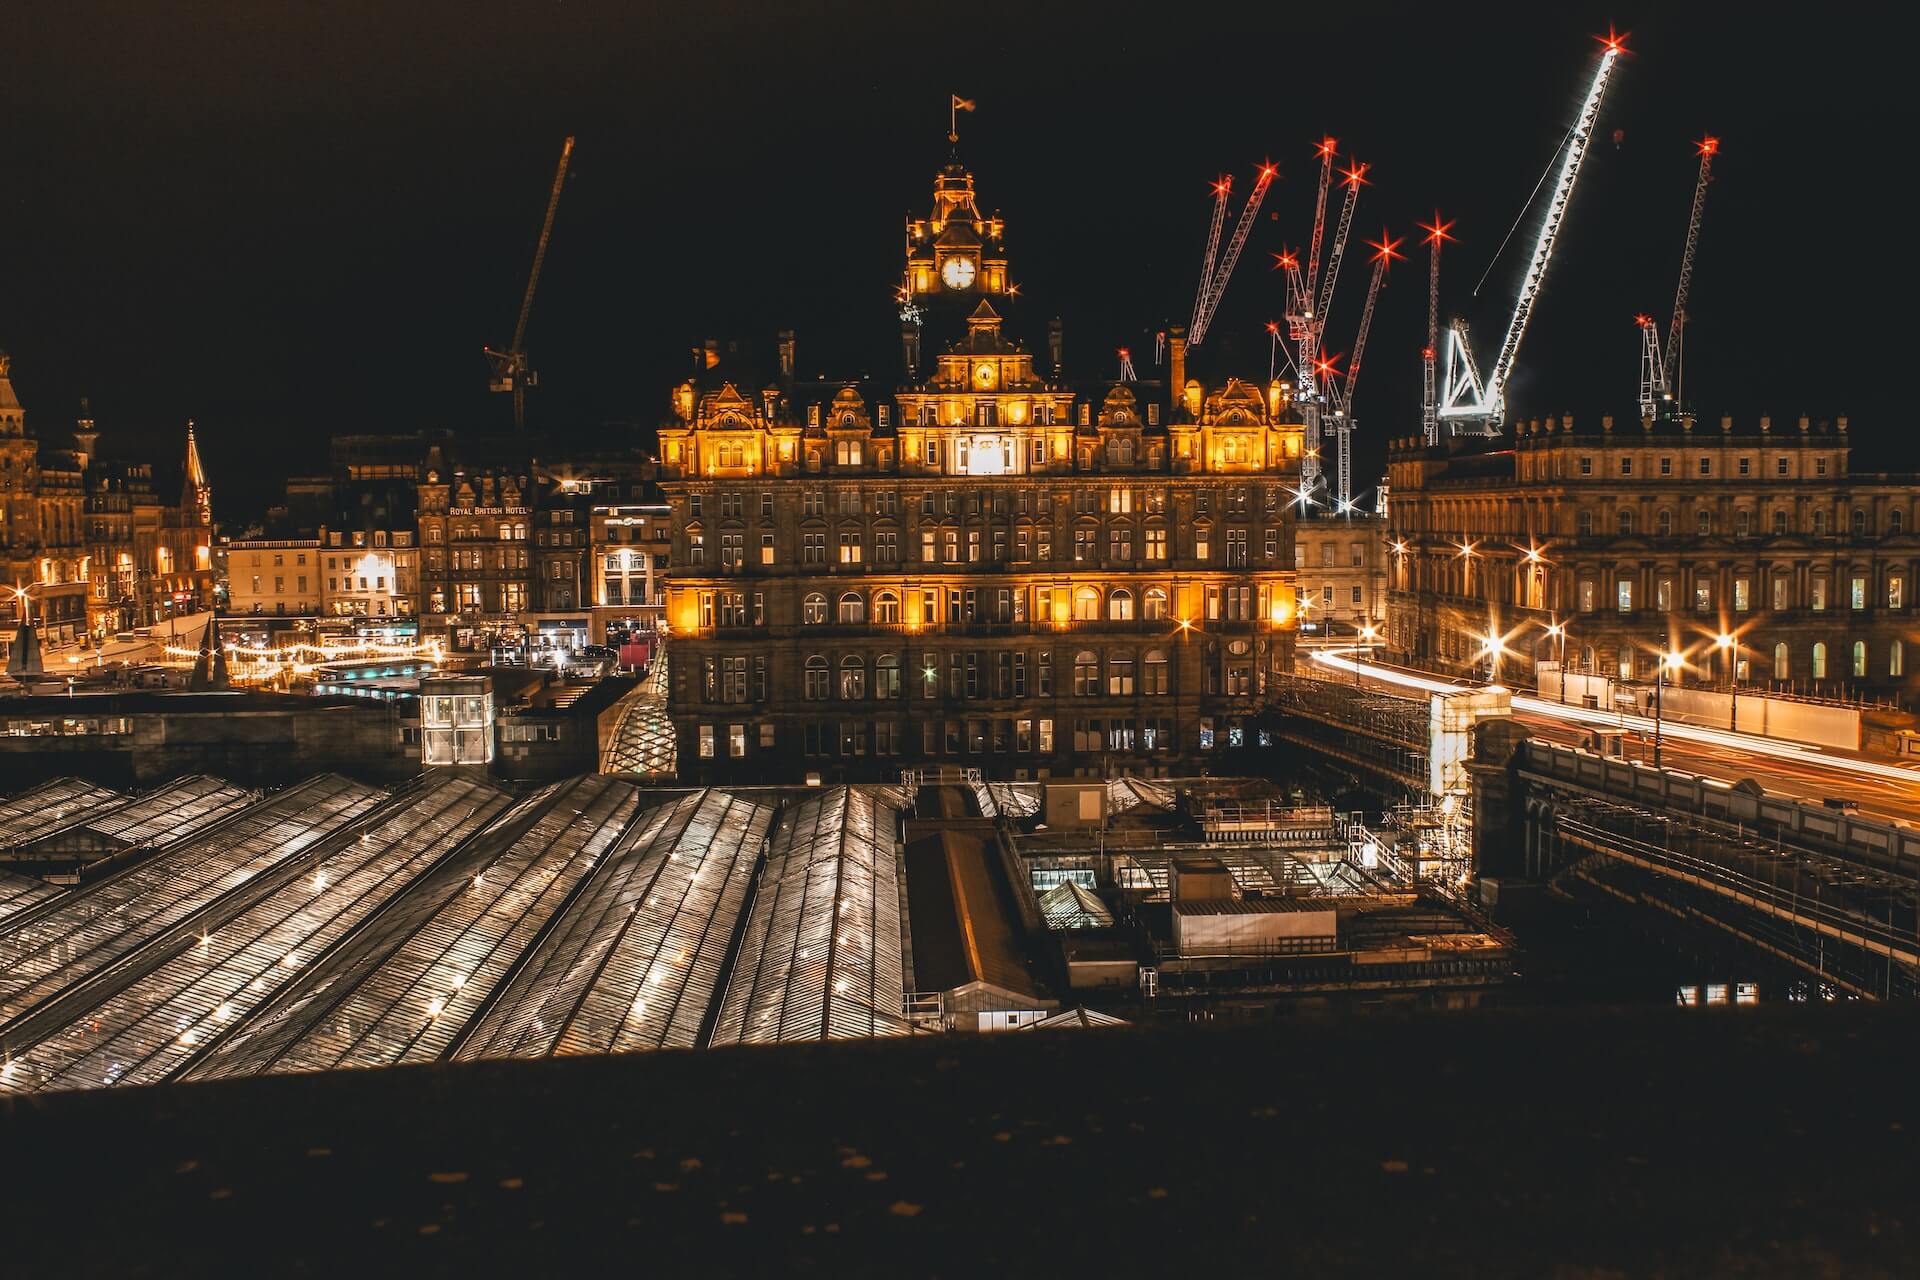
x=1384 y=252
x=1485 y=406
x=1708 y=147
x=1429 y=400
x=1214 y=289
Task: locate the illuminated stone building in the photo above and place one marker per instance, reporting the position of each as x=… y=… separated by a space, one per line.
x=1342 y=564
x=984 y=565
x=475 y=528
x=43 y=555
x=1667 y=534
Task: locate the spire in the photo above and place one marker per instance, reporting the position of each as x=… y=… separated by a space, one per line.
x=196 y=489
x=210 y=668
x=12 y=421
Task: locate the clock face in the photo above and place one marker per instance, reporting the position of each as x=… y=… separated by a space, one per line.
x=957 y=272
x=983 y=375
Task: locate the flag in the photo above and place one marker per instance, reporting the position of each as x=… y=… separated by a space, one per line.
x=962 y=104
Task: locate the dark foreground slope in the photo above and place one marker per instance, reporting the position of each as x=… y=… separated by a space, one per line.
x=1756 y=1141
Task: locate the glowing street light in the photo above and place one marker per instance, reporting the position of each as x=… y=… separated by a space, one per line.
x=1558 y=631
x=1669 y=661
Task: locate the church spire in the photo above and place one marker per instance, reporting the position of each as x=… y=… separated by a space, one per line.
x=196 y=488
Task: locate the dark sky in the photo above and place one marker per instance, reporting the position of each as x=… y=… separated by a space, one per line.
x=285 y=220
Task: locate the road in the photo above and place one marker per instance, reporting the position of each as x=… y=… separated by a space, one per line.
x=1879 y=787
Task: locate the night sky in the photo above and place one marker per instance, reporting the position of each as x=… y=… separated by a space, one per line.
x=286 y=220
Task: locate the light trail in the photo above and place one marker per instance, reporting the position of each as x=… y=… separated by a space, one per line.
x=1723 y=738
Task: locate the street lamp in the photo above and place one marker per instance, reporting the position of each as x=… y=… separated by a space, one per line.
x=1466 y=556
x=1726 y=644
x=1557 y=631
x=1368 y=635
x=1669 y=661
x=1491 y=646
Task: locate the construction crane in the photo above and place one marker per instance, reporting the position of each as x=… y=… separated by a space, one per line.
x=1653 y=373
x=1221 y=190
x=1429 y=401
x=510 y=372
x=1213 y=290
x=1708 y=147
x=1463 y=398
x=1307 y=318
x=1385 y=250
x=1325 y=151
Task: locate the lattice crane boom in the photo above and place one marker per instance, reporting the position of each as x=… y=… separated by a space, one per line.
x=1708 y=147
x=510 y=372
x=1385 y=253
x=1232 y=256
x=1221 y=190
x=1325 y=151
x=1353 y=178
x=1576 y=154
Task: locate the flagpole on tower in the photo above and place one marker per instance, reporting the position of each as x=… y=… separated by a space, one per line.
x=956 y=104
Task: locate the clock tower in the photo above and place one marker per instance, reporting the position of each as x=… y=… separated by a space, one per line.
x=956 y=252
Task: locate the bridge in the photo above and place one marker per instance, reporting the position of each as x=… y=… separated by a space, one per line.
x=1826 y=886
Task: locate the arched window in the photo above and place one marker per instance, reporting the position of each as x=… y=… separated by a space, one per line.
x=1154 y=607
x=1742 y=522
x=1896 y=521
x=1624 y=521
x=853 y=677
x=1120 y=675
x=1665 y=522
x=886 y=607
x=1819 y=524
x=1779 y=521
x=1586 y=658
x=1086 y=673
x=1820 y=661
x=1154 y=672
x=1859 y=658
x=1897 y=659
x=1086 y=604
x=886 y=676
x=816 y=678
x=813 y=610
x=1859 y=521
x=1120 y=605
x=1782 y=666
x=1703 y=522
x=852 y=607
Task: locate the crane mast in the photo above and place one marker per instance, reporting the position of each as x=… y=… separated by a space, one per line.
x=1429 y=402
x=510 y=372
x=1707 y=147
x=1325 y=151
x=1239 y=241
x=1653 y=370
x=1385 y=251
x=1489 y=406
x=1316 y=322
x=1221 y=190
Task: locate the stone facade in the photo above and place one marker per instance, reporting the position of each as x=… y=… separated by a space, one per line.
x=985 y=566
x=1667 y=534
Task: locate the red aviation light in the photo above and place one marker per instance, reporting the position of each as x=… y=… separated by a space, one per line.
x=1385 y=249
x=1273 y=328
x=1222 y=185
x=1355 y=177
x=1285 y=261
x=1644 y=321
x=1436 y=230
x=1324 y=366
x=1614 y=41
x=1325 y=149
x=1707 y=146
x=1268 y=171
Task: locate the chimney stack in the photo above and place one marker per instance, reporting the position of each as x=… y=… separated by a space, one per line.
x=1056 y=344
x=786 y=354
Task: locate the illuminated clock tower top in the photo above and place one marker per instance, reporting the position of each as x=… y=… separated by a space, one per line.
x=956 y=252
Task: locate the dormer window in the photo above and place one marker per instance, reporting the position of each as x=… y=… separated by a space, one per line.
x=846 y=453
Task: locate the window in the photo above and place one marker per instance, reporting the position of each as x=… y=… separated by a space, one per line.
x=886 y=607
x=1779 y=521
x=1086 y=604
x=766 y=548
x=853 y=678
x=706 y=742
x=1086 y=673
x=1742 y=523
x=1043 y=675
x=1896 y=659
x=1819 y=600
x=1782 y=668
x=1896 y=521
x=816 y=680
x=1586 y=595
x=1120 y=605
x=1237 y=548
x=1859 y=519
x=1780 y=465
x=1706 y=466
x=1666 y=466
x=1202 y=543
x=1857 y=593
x=1154 y=605
x=1779 y=592
x=1819 y=466
x=846 y=453
x=1155 y=673
x=1120 y=675
x=1156 y=544
x=1586 y=466
x=1626 y=466
x=1702 y=594
x=1626 y=595
x=852 y=608
x=1624 y=523
x=850 y=548
x=736 y=740
x=1820 y=661
x=1896 y=591
x=1586 y=524
x=1742 y=595
x=1746 y=466
x=886 y=676
x=813 y=610
x=1859 y=658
